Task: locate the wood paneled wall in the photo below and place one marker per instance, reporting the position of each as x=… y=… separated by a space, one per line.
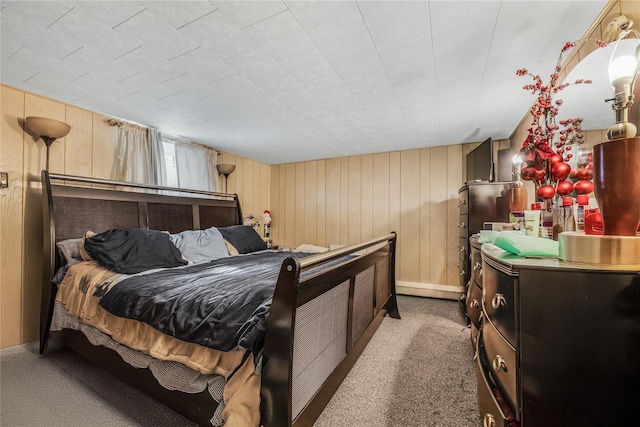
x=347 y=200
x=88 y=150
x=250 y=181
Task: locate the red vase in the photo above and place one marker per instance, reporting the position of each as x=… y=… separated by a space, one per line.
x=616 y=179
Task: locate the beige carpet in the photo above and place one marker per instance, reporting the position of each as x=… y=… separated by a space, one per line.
x=417 y=371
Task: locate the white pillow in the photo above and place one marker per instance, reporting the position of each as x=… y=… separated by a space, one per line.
x=310 y=248
x=200 y=246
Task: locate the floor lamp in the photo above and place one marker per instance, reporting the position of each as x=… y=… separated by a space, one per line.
x=226 y=170
x=48 y=130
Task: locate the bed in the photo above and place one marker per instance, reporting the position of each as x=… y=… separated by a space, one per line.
x=323 y=309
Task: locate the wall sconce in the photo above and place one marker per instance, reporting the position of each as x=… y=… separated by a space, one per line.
x=48 y=130
x=623 y=68
x=226 y=170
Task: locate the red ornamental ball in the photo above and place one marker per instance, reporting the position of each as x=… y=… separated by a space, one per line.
x=561 y=171
x=584 y=173
x=546 y=192
x=564 y=188
x=528 y=173
x=557 y=158
x=584 y=187
x=540 y=174
x=572 y=174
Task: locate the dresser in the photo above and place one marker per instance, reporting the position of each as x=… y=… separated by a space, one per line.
x=478 y=202
x=559 y=343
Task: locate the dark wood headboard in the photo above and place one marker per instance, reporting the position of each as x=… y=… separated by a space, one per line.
x=71 y=210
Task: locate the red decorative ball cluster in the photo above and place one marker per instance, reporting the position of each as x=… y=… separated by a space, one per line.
x=549 y=169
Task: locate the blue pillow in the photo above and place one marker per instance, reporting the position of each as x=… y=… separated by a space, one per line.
x=200 y=246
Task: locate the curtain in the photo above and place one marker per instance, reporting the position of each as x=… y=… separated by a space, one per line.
x=196 y=166
x=139 y=155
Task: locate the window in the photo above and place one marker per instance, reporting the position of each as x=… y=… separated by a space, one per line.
x=190 y=165
x=170 y=163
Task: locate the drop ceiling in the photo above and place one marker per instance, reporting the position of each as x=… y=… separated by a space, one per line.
x=285 y=81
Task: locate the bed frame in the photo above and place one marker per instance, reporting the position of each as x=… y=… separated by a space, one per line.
x=318 y=325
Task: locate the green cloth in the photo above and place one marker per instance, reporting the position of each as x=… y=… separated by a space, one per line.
x=522 y=245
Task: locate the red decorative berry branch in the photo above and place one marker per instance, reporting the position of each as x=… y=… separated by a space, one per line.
x=546 y=167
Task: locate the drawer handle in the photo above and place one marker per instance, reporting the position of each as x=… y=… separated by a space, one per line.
x=463 y=249
x=480 y=317
x=498 y=301
x=463 y=202
x=463 y=225
x=478 y=266
x=474 y=304
x=462 y=273
x=498 y=363
x=489 y=421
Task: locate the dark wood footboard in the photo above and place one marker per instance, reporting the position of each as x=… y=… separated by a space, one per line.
x=304 y=362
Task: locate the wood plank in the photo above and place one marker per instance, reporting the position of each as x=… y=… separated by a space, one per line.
x=394 y=202
x=410 y=215
x=283 y=198
x=290 y=210
x=274 y=202
x=103 y=147
x=381 y=224
x=310 y=202
x=438 y=216
x=234 y=181
x=321 y=204
x=246 y=170
x=425 y=213
x=355 y=199
x=79 y=147
x=454 y=182
x=344 y=201
x=299 y=205
x=11 y=218
x=366 y=215
x=333 y=183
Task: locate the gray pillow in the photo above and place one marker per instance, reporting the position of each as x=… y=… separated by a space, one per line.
x=70 y=250
x=200 y=246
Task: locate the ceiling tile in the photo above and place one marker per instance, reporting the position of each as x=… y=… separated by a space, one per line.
x=313 y=13
x=89 y=32
x=43 y=13
x=161 y=68
x=146 y=29
x=215 y=33
x=245 y=13
x=178 y=13
x=203 y=65
x=280 y=36
x=256 y=65
x=109 y=12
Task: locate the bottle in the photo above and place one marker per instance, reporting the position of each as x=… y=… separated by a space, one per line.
x=583 y=204
x=567 y=207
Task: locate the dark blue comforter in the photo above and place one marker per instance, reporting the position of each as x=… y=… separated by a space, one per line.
x=223 y=304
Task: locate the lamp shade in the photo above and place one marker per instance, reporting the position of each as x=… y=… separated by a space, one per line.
x=225 y=168
x=47 y=128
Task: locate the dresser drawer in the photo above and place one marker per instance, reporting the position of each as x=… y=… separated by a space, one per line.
x=463 y=249
x=476 y=266
x=474 y=303
x=463 y=201
x=463 y=225
x=502 y=361
x=490 y=413
x=498 y=298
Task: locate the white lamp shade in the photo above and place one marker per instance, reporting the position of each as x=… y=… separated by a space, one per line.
x=621 y=70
